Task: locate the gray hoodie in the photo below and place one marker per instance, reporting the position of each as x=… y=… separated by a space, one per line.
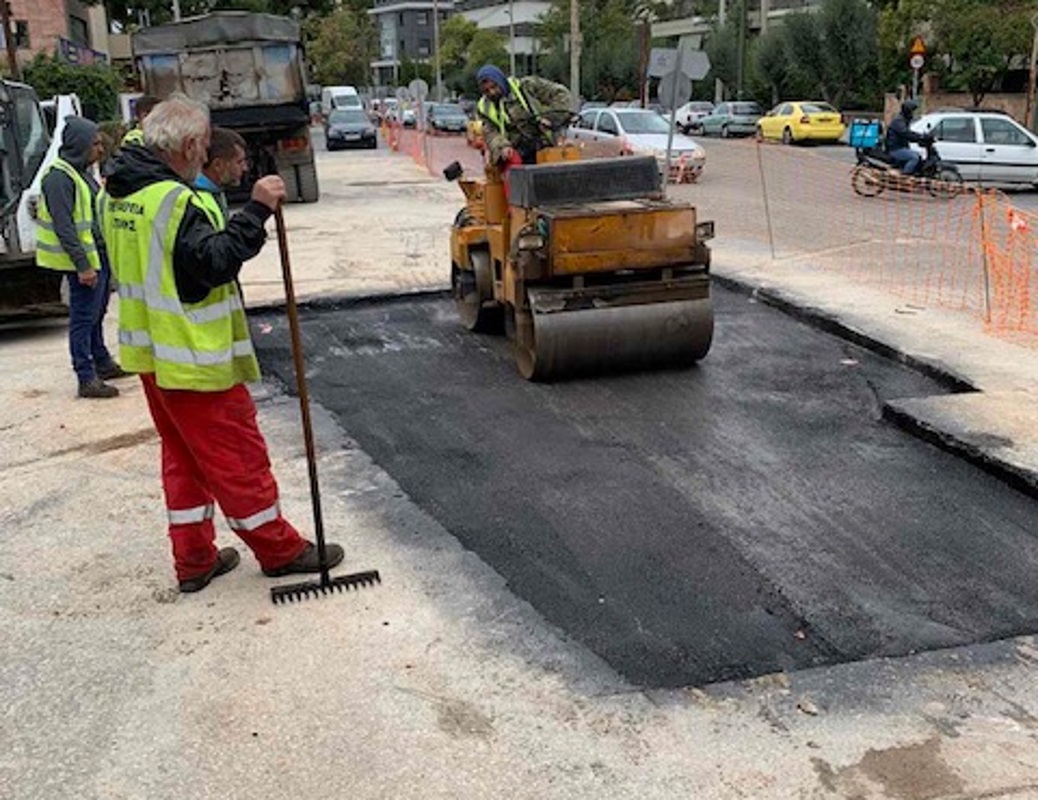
x=60 y=192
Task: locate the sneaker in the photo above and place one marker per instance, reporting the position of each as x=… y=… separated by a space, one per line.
x=307 y=561
x=111 y=372
x=97 y=388
x=226 y=560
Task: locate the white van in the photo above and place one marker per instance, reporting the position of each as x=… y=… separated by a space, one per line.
x=333 y=97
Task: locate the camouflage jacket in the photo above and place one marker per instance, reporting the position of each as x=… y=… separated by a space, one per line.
x=541 y=95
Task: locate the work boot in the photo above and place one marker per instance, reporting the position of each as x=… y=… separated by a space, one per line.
x=97 y=388
x=226 y=560
x=111 y=372
x=307 y=561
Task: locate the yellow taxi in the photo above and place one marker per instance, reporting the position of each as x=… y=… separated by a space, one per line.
x=801 y=121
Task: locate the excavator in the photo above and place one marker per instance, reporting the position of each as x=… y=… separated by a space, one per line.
x=583 y=263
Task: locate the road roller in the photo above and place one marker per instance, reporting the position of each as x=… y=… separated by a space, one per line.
x=583 y=263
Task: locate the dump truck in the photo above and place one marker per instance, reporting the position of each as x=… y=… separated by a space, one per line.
x=28 y=145
x=584 y=263
x=250 y=70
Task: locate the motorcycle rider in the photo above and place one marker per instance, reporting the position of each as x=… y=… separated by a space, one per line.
x=900 y=136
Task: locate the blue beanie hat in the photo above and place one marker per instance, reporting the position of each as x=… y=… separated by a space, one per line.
x=488 y=72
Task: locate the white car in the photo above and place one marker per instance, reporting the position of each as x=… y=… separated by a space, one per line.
x=642 y=132
x=687 y=117
x=986 y=146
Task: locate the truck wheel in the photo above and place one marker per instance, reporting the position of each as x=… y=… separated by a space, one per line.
x=307 y=183
x=288 y=175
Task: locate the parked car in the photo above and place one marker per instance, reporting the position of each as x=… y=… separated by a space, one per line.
x=408 y=117
x=688 y=116
x=801 y=121
x=447 y=118
x=349 y=127
x=638 y=131
x=986 y=146
x=732 y=119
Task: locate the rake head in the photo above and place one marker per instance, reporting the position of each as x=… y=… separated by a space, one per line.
x=340 y=583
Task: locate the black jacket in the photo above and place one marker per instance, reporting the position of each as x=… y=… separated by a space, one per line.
x=203 y=258
x=899 y=135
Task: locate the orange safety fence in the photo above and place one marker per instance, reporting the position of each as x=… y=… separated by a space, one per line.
x=973 y=253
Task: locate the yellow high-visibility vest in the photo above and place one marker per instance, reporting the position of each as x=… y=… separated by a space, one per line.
x=133 y=136
x=202 y=346
x=49 y=252
x=496 y=113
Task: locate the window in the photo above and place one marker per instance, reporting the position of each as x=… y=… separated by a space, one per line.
x=587 y=120
x=424 y=47
x=956 y=129
x=422 y=17
x=30 y=129
x=21 y=33
x=400 y=18
x=1002 y=131
x=721 y=109
x=79 y=31
x=786 y=110
x=607 y=124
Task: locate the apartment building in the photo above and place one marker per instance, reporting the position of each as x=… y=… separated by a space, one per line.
x=406 y=31
x=75 y=31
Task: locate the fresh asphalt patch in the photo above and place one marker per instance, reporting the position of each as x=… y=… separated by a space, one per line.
x=752 y=514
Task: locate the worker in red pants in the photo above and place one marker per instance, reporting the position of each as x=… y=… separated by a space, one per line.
x=183 y=329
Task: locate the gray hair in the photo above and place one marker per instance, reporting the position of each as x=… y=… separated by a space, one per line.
x=172 y=122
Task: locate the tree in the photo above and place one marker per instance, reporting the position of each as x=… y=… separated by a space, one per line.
x=848 y=31
x=979 y=40
x=722 y=48
x=341 y=47
x=609 y=61
x=771 y=65
x=455 y=39
x=97 y=85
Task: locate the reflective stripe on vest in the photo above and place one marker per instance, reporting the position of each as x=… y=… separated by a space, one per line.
x=202 y=346
x=212 y=205
x=49 y=252
x=496 y=112
x=133 y=136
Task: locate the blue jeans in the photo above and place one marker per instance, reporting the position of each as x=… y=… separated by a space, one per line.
x=86 y=314
x=908 y=159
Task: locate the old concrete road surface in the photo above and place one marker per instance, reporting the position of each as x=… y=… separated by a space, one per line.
x=750 y=515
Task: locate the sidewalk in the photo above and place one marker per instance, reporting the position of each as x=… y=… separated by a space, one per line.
x=439 y=683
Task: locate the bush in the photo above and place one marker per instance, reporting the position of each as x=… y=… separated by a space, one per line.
x=97 y=85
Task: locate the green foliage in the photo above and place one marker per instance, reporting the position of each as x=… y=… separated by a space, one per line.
x=609 y=59
x=971 y=43
x=411 y=70
x=96 y=85
x=341 y=46
x=722 y=48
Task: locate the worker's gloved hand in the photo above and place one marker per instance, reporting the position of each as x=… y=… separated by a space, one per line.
x=269 y=190
x=88 y=277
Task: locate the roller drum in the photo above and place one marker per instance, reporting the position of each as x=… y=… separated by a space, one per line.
x=569 y=332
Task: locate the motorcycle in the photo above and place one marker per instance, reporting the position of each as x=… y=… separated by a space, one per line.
x=876 y=171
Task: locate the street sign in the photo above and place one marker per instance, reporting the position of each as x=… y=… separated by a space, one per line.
x=694 y=63
x=403 y=95
x=674 y=90
x=419 y=89
x=918 y=47
x=916 y=61
x=662 y=61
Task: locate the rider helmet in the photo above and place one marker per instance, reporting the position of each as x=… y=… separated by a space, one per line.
x=908 y=108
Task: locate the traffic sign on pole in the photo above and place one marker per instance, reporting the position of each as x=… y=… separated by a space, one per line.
x=916 y=61
x=918 y=47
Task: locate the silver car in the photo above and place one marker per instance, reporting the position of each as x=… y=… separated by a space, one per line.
x=737 y=118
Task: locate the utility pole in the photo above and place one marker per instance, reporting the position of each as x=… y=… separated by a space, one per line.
x=436 y=51
x=722 y=18
x=1032 y=75
x=741 y=50
x=511 y=37
x=574 y=53
x=12 y=49
x=645 y=39
x=176 y=10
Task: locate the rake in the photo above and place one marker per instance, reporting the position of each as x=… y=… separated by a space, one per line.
x=327 y=584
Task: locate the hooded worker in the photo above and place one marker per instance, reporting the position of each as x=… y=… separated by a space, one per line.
x=68 y=239
x=518 y=115
x=900 y=136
